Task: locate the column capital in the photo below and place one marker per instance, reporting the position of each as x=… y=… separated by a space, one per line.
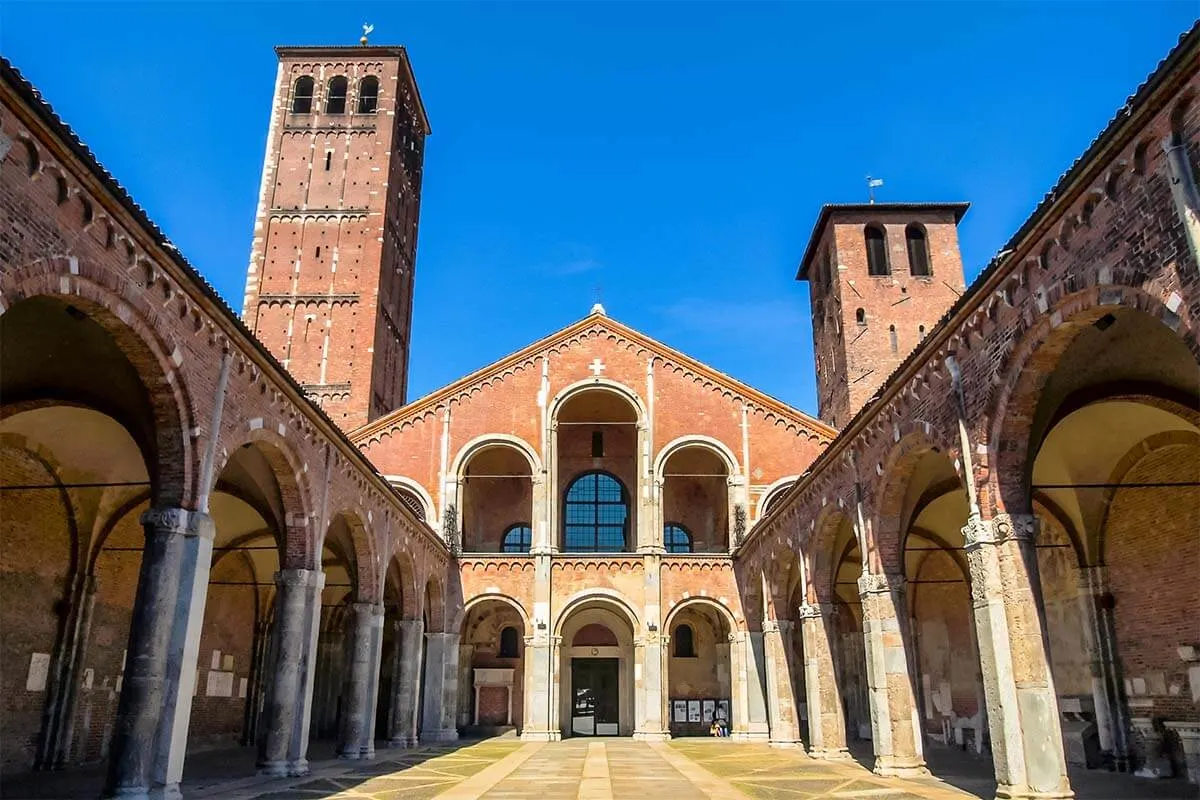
x=777 y=625
x=999 y=529
x=300 y=577
x=174 y=521
x=814 y=610
x=880 y=583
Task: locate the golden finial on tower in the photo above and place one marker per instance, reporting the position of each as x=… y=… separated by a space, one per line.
x=367 y=28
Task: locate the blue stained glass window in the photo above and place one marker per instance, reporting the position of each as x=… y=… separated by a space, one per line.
x=596 y=514
x=518 y=539
x=676 y=539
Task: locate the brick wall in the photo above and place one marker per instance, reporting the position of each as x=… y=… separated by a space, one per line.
x=1154 y=565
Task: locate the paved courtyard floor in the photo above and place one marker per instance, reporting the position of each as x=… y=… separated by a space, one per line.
x=504 y=768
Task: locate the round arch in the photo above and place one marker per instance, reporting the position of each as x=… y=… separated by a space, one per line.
x=169 y=453
x=487 y=597
x=1008 y=433
x=418 y=491
x=480 y=443
x=598 y=384
x=708 y=602
x=697 y=440
x=772 y=492
x=596 y=596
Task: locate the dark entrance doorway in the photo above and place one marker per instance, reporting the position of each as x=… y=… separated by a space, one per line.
x=594 y=704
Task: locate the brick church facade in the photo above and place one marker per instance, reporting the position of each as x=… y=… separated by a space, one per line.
x=225 y=531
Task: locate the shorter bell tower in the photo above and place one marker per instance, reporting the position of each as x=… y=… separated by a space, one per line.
x=880 y=277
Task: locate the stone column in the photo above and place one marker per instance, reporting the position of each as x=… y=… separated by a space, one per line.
x=285 y=715
x=164 y=637
x=650 y=722
x=406 y=688
x=826 y=720
x=1112 y=721
x=1027 y=746
x=895 y=726
x=441 y=688
x=749 y=649
x=781 y=701
x=62 y=747
x=355 y=736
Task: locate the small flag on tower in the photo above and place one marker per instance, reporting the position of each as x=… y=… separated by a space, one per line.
x=872 y=185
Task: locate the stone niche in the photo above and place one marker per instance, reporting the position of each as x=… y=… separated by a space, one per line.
x=493 y=697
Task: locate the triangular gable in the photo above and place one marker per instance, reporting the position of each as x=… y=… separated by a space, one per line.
x=595 y=323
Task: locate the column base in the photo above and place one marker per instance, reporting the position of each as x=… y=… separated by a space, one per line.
x=128 y=793
x=541 y=736
x=830 y=754
x=750 y=736
x=169 y=791
x=891 y=767
x=786 y=744
x=1021 y=793
x=440 y=735
x=403 y=742
x=652 y=736
x=273 y=769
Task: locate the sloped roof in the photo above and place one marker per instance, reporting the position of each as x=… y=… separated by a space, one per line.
x=595 y=320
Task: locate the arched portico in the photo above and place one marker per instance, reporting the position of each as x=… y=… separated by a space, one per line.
x=595 y=671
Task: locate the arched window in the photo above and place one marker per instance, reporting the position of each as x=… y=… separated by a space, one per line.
x=892 y=336
x=860 y=316
x=597 y=514
x=508 y=643
x=877 y=260
x=685 y=642
x=302 y=95
x=918 y=251
x=335 y=101
x=518 y=539
x=368 y=95
x=676 y=539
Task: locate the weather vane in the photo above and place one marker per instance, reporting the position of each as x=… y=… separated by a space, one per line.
x=367 y=28
x=872 y=185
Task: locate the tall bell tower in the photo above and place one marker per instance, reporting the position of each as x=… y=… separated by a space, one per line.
x=880 y=277
x=329 y=288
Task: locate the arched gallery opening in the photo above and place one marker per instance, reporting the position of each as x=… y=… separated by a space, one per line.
x=399 y=609
x=496 y=487
x=1112 y=470
x=596 y=669
x=596 y=444
x=699 y=668
x=846 y=639
x=335 y=636
x=943 y=651
x=492 y=662
x=696 y=501
x=86 y=423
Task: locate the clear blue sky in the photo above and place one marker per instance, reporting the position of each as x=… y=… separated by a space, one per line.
x=675 y=154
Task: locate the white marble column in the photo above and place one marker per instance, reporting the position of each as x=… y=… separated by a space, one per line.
x=895 y=725
x=750 y=688
x=826 y=719
x=1022 y=708
x=150 y=737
